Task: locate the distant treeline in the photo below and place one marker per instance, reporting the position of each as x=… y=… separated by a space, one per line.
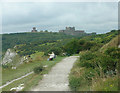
x=29 y=43
x=30 y=39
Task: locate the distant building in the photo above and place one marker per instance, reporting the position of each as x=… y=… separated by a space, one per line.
x=72 y=31
x=93 y=33
x=34 y=29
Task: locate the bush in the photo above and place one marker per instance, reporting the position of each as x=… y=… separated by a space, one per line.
x=37 y=70
x=56 y=50
x=107 y=63
x=113 y=52
x=5 y=66
x=99 y=60
x=89 y=74
x=107 y=85
x=38 y=56
x=75 y=46
x=72 y=47
x=84 y=79
x=75 y=83
x=87 y=60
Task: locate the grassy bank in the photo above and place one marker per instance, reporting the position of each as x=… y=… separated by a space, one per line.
x=97 y=70
x=106 y=84
x=77 y=81
x=88 y=79
x=33 y=79
x=94 y=73
x=10 y=74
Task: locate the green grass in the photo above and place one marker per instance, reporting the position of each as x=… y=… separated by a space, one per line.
x=76 y=55
x=106 y=84
x=77 y=81
x=87 y=79
x=112 y=43
x=33 y=79
x=10 y=74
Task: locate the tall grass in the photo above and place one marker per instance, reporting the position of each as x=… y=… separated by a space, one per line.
x=94 y=71
x=33 y=79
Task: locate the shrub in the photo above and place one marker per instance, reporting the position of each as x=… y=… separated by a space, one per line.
x=87 y=60
x=75 y=83
x=72 y=47
x=56 y=50
x=75 y=46
x=107 y=85
x=98 y=60
x=89 y=74
x=113 y=52
x=37 y=70
x=5 y=66
x=107 y=63
x=85 y=79
x=38 y=56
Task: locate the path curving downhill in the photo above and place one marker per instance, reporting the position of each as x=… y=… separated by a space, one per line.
x=16 y=80
x=57 y=78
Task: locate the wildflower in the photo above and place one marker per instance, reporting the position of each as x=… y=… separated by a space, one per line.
x=111 y=85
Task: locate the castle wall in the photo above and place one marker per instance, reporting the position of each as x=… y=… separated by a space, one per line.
x=72 y=31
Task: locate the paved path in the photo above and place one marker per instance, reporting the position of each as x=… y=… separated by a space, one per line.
x=57 y=79
x=15 y=80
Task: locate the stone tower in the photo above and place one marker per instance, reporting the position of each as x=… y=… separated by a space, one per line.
x=72 y=31
x=34 y=29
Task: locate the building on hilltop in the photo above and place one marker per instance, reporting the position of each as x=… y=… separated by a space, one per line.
x=72 y=31
x=34 y=29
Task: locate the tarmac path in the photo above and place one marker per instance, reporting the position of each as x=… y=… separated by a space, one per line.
x=57 y=78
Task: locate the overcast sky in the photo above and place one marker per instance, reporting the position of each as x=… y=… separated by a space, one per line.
x=91 y=17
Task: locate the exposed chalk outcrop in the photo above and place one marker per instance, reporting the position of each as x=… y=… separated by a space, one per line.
x=9 y=55
x=12 y=57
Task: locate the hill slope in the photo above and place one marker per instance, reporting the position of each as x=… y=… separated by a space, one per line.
x=113 y=43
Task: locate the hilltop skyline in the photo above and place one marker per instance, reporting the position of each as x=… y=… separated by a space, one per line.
x=91 y=17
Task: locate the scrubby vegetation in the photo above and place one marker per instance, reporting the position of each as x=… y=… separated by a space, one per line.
x=98 y=63
x=31 y=80
x=26 y=41
x=97 y=69
x=29 y=43
x=76 y=45
x=38 y=69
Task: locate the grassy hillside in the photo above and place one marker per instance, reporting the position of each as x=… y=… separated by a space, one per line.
x=91 y=67
x=30 y=39
x=31 y=80
x=102 y=38
x=96 y=70
x=112 y=43
x=45 y=40
x=10 y=40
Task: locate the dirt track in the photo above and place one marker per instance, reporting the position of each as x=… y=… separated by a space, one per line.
x=57 y=78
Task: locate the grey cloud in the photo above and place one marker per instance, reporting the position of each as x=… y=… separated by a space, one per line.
x=99 y=17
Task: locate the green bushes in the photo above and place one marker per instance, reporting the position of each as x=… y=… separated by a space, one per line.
x=75 y=83
x=37 y=70
x=96 y=65
x=75 y=46
x=107 y=63
x=88 y=60
x=106 y=84
x=84 y=79
x=93 y=63
x=98 y=60
x=5 y=66
x=113 y=52
x=56 y=50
